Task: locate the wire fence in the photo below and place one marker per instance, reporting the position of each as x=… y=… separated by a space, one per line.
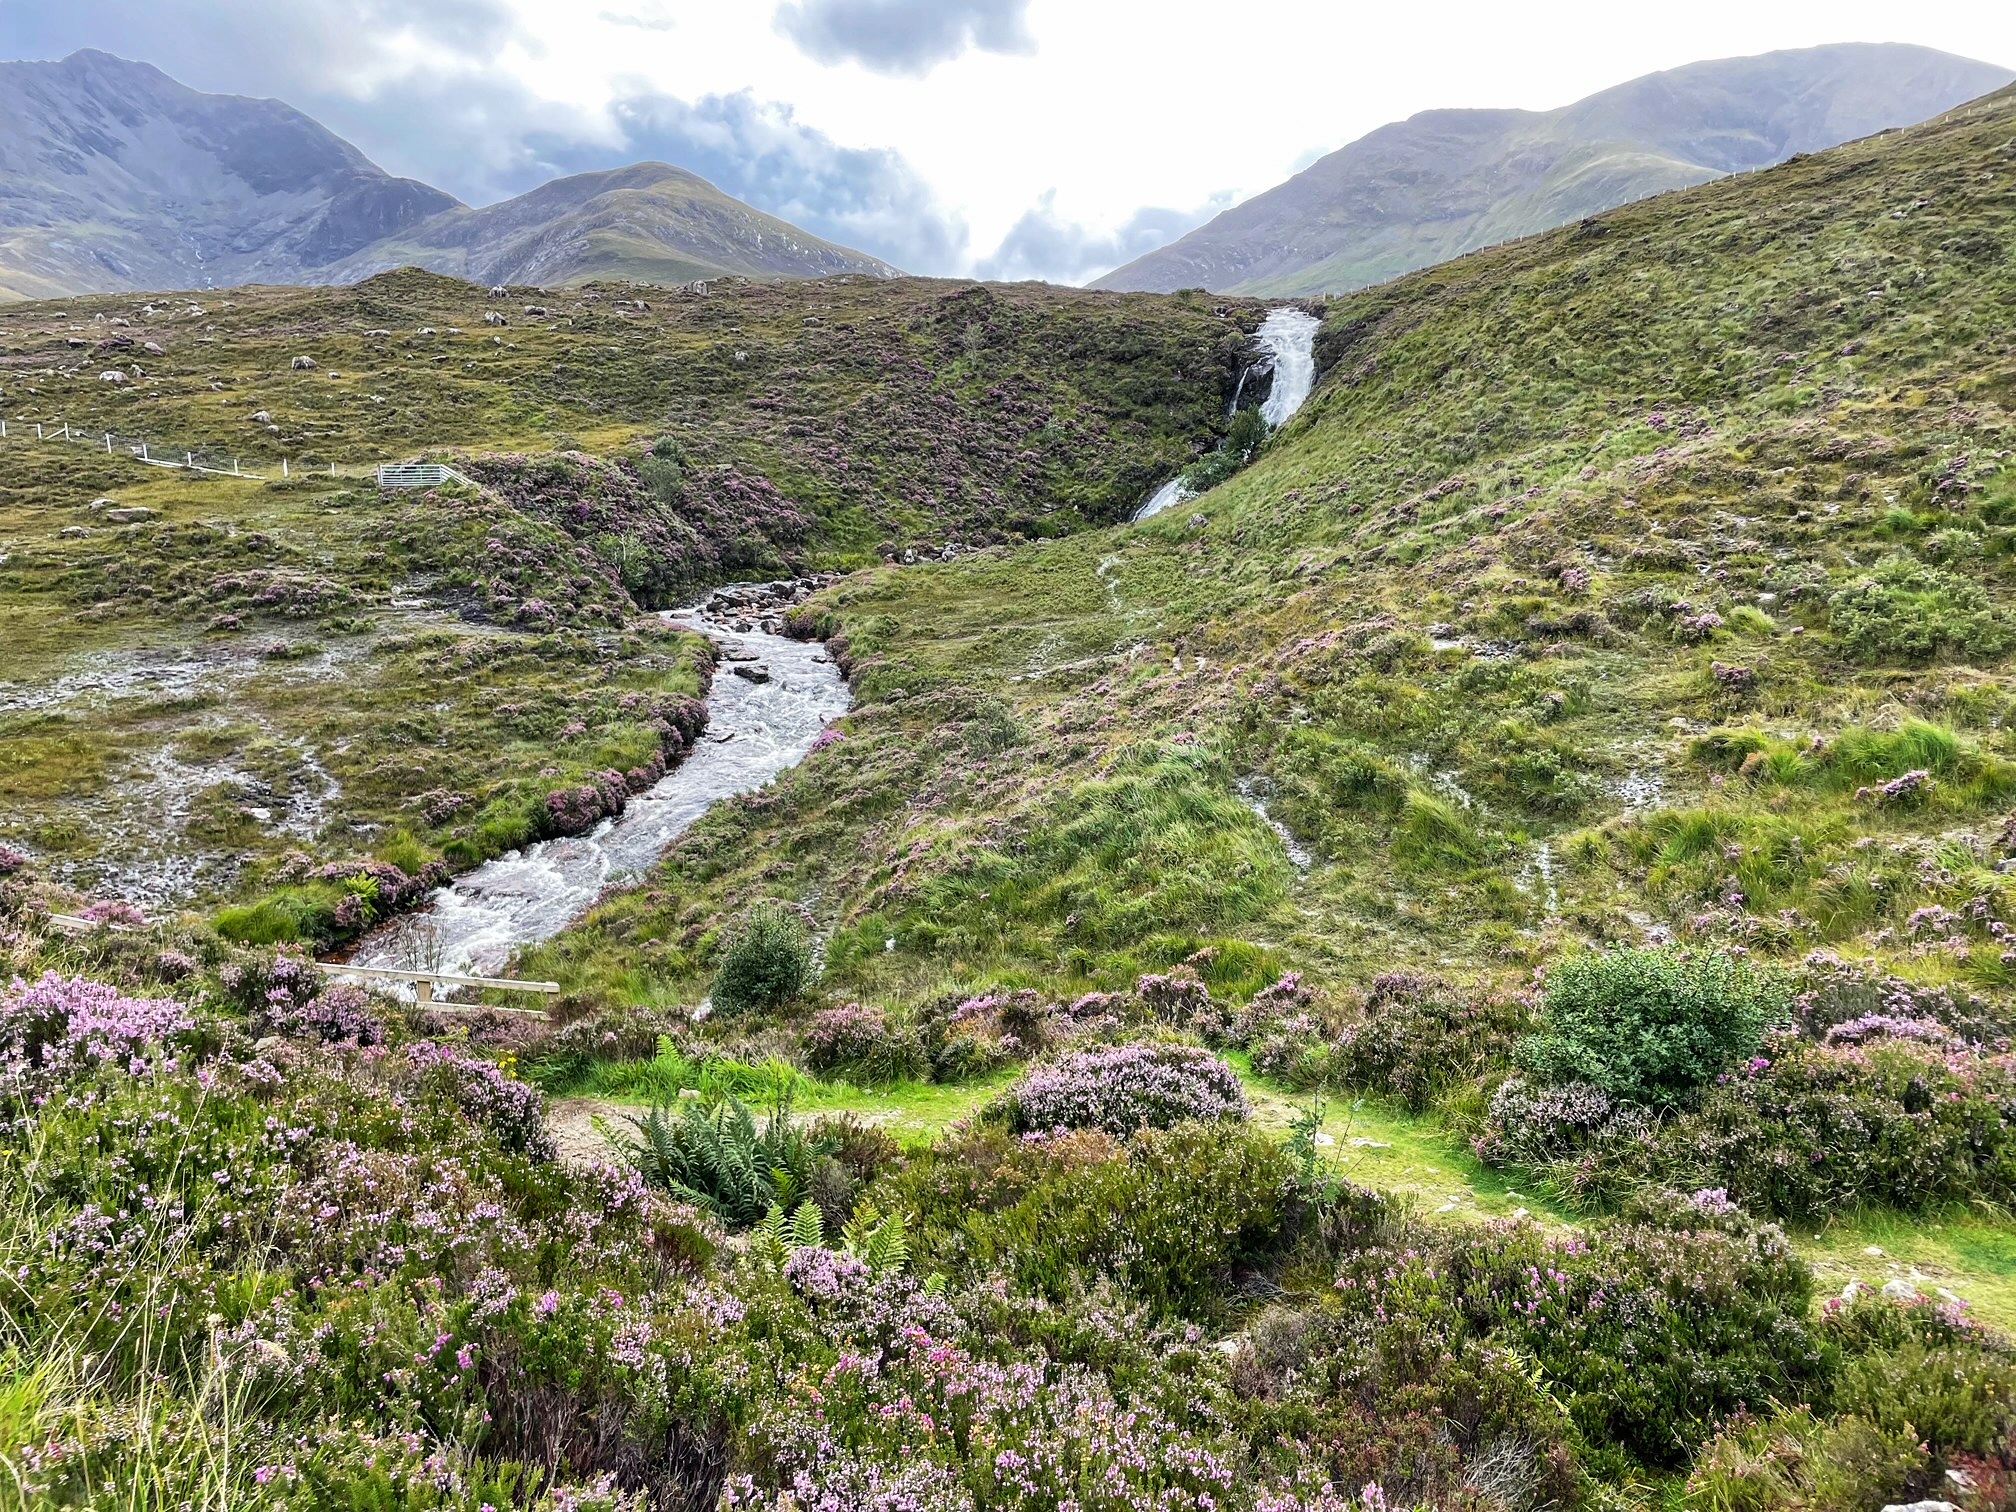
x=213 y=460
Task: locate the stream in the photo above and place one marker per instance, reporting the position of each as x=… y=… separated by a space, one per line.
x=1288 y=335
x=755 y=730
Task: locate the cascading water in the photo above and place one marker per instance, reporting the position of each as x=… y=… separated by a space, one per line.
x=755 y=730
x=1288 y=335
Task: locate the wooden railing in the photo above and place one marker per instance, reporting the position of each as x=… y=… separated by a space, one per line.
x=418 y=475
x=424 y=983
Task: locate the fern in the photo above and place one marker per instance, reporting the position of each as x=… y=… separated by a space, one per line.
x=808 y=1227
x=719 y=1160
x=883 y=1244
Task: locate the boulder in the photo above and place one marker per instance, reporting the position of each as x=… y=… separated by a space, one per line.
x=262 y=417
x=305 y=364
x=112 y=375
x=132 y=514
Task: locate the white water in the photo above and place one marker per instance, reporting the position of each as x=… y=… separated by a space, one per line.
x=754 y=731
x=1289 y=336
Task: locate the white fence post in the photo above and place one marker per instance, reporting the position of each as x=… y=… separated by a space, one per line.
x=283 y=469
x=143 y=451
x=3 y=430
x=38 y=430
x=108 y=443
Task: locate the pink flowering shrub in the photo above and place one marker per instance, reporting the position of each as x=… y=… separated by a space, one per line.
x=513 y=1110
x=115 y=914
x=861 y=1041
x=1178 y=998
x=1123 y=1088
x=57 y=1026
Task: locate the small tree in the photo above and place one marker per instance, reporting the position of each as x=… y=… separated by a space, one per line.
x=767 y=963
x=1650 y=1026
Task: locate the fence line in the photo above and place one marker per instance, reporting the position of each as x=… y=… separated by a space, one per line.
x=211 y=461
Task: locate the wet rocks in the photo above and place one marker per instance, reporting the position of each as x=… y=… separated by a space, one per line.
x=751 y=674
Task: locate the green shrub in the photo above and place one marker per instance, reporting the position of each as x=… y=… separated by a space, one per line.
x=1171 y=1218
x=1651 y=1026
x=1906 y=610
x=1421 y=1036
x=1793 y=1461
x=767 y=963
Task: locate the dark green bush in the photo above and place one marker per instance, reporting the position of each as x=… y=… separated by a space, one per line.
x=1421 y=1036
x=1171 y=1218
x=1650 y=1026
x=768 y=962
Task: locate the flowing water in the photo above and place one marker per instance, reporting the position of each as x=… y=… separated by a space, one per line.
x=755 y=730
x=1288 y=335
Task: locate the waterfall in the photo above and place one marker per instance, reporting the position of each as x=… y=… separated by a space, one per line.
x=1288 y=335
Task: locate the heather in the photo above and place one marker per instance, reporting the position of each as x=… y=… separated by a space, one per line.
x=1122 y=1089
x=362 y=1242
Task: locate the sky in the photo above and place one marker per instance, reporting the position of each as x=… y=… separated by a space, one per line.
x=1002 y=138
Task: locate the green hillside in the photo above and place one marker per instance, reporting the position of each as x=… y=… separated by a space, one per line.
x=1465 y=968
x=1475 y=600
x=188 y=652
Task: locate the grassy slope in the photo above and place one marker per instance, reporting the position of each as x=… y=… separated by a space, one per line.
x=1452 y=613
x=891 y=412
x=1450 y=628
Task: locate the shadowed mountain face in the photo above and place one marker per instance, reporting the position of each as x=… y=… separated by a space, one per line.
x=114 y=176
x=1446 y=182
x=649 y=221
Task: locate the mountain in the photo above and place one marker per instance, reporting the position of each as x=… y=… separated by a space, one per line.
x=1446 y=182
x=114 y=176
x=649 y=221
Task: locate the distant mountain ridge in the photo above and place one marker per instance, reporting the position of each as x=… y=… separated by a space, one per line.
x=1446 y=182
x=114 y=176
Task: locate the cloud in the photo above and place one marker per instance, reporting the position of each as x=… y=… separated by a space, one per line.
x=904 y=36
x=641 y=23
x=1044 y=245
x=406 y=84
x=757 y=150
x=256 y=47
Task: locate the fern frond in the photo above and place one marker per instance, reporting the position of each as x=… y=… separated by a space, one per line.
x=808 y=1227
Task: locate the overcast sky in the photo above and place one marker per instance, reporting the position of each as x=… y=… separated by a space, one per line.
x=1010 y=138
